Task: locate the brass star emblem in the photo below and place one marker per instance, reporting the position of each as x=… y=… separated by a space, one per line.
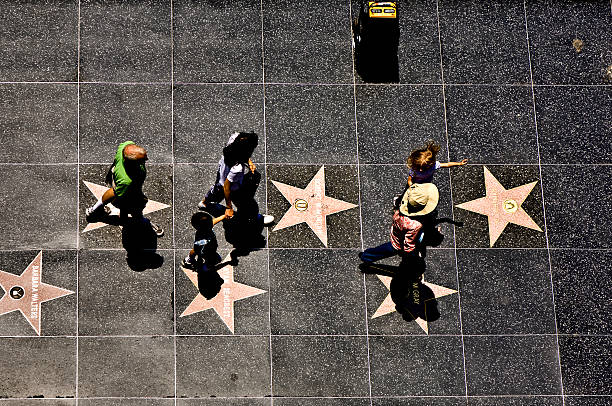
x=502 y=206
x=310 y=205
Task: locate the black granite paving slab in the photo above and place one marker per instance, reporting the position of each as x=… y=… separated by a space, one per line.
x=420 y=401
x=380 y=184
x=505 y=292
x=38 y=123
x=251 y=315
x=316 y=292
x=581 y=280
x=418 y=51
x=517 y=401
x=111 y=114
x=588 y=400
x=483 y=42
x=512 y=365
x=115 y=300
x=125 y=42
x=556 y=56
x=440 y=270
x=574 y=124
x=310 y=124
x=320 y=366
x=193 y=181
x=126 y=367
x=39 y=41
x=157 y=187
x=320 y=402
x=225 y=402
x=38 y=206
x=585 y=364
x=217 y=41
x=58 y=316
x=205 y=116
x=307 y=42
x=491 y=124
x=577 y=211
x=39 y=402
x=223 y=366
x=416 y=366
x=393 y=120
x=340 y=183
x=468 y=184
x=38 y=367
x=127 y=402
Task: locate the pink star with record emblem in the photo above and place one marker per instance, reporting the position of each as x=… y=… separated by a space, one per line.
x=388 y=306
x=223 y=303
x=310 y=205
x=502 y=206
x=27 y=292
x=98 y=191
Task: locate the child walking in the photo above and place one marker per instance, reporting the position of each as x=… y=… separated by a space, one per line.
x=203 y=255
x=423 y=164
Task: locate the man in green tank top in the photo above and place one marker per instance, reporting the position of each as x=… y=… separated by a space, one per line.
x=128 y=175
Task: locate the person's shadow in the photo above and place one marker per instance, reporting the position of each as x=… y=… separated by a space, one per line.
x=412 y=298
x=140 y=243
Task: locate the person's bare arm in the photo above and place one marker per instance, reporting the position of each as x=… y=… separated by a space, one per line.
x=229 y=210
x=409 y=181
x=451 y=164
x=218 y=219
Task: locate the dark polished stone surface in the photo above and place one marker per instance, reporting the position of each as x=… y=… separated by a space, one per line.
x=554 y=28
x=524 y=321
x=125 y=42
x=483 y=42
x=217 y=41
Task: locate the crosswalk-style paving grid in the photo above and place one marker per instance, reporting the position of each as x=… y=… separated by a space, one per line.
x=523 y=89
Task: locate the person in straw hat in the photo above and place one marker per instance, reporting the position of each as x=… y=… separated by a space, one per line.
x=419 y=200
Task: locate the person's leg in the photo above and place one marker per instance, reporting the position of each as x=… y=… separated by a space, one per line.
x=100 y=209
x=377 y=253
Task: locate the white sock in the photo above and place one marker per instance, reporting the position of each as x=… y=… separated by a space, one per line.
x=97 y=205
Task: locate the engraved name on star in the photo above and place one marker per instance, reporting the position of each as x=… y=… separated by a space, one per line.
x=98 y=191
x=310 y=205
x=223 y=303
x=502 y=206
x=27 y=292
x=388 y=306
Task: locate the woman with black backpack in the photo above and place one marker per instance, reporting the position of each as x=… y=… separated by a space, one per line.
x=237 y=178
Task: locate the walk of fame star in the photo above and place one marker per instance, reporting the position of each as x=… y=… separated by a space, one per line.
x=223 y=303
x=98 y=191
x=502 y=206
x=388 y=306
x=310 y=205
x=27 y=292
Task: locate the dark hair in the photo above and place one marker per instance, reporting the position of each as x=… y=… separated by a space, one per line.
x=202 y=221
x=422 y=158
x=241 y=149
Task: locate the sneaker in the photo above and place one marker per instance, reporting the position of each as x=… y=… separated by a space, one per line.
x=92 y=215
x=187 y=263
x=159 y=232
x=201 y=205
x=268 y=220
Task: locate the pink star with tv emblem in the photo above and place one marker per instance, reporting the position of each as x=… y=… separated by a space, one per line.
x=310 y=205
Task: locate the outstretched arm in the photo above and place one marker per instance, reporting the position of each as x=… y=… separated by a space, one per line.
x=451 y=164
x=218 y=219
x=229 y=211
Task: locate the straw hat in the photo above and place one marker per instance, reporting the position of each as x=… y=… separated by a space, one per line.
x=419 y=199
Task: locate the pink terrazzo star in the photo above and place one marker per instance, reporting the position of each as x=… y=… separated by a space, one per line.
x=310 y=205
x=27 y=292
x=98 y=191
x=502 y=206
x=223 y=303
x=388 y=306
